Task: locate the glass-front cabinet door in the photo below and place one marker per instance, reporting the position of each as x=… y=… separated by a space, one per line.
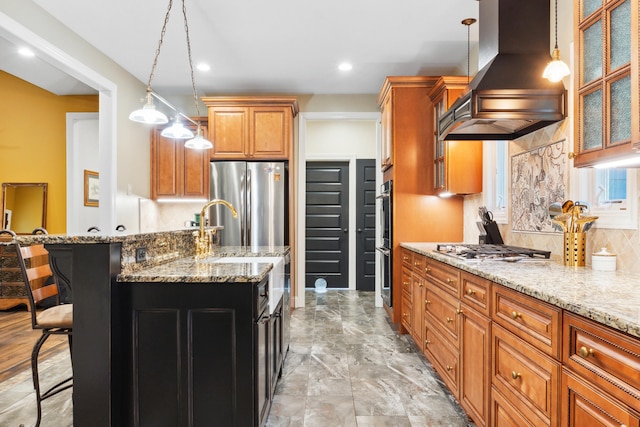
x=603 y=78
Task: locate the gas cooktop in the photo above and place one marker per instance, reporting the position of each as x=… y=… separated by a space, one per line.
x=489 y=251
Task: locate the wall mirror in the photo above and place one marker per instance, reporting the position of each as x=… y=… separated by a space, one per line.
x=24 y=206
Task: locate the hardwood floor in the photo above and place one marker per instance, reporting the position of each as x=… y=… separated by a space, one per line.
x=17 y=339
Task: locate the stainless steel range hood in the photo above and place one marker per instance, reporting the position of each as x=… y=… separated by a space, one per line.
x=508 y=97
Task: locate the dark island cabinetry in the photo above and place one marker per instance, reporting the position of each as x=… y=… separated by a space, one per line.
x=197 y=354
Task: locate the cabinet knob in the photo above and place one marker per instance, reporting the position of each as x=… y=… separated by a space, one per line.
x=515 y=315
x=515 y=375
x=421 y=284
x=427 y=270
x=427 y=302
x=427 y=342
x=449 y=320
x=585 y=352
x=405 y=283
x=458 y=311
x=417 y=263
x=405 y=258
x=449 y=368
x=470 y=292
x=450 y=281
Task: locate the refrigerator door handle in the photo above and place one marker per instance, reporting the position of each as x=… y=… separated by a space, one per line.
x=248 y=214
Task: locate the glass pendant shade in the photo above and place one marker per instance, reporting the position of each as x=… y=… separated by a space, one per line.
x=148 y=114
x=556 y=70
x=177 y=131
x=198 y=142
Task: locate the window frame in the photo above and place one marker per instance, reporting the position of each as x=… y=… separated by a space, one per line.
x=489 y=173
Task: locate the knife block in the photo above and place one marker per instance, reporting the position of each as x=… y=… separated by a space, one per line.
x=575 y=249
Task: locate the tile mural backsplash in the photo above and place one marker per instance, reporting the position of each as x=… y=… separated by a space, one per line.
x=624 y=243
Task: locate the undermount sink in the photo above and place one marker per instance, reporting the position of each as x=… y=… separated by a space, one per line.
x=276 y=275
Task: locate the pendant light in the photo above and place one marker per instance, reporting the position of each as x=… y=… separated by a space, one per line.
x=468 y=22
x=177 y=130
x=148 y=114
x=556 y=70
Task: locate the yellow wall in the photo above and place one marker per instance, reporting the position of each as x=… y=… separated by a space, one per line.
x=33 y=140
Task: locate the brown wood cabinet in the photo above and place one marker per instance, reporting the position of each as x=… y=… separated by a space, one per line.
x=178 y=172
x=513 y=360
x=457 y=165
x=606 y=80
x=253 y=128
x=408 y=126
x=601 y=381
x=386 y=118
x=475 y=348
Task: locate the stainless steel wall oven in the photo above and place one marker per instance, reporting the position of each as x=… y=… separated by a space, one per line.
x=386 y=265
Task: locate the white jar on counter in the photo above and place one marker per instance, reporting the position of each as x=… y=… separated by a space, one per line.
x=603 y=261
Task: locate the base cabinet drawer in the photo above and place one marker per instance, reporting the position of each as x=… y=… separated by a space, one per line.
x=442 y=310
x=588 y=406
x=526 y=376
x=603 y=356
x=443 y=357
x=505 y=414
x=534 y=321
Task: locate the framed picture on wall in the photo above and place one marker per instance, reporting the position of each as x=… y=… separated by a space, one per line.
x=91 y=188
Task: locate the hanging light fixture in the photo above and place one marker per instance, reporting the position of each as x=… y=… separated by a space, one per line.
x=149 y=114
x=198 y=142
x=177 y=130
x=556 y=70
x=468 y=22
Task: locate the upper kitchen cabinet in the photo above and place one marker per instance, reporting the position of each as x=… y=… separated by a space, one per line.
x=607 y=89
x=176 y=171
x=457 y=165
x=406 y=127
x=254 y=128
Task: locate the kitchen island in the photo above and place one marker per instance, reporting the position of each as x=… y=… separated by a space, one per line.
x=530 y=342
x=162 y=338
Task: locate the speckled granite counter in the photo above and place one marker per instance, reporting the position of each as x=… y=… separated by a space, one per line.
x=611 y=298
x=209 y=269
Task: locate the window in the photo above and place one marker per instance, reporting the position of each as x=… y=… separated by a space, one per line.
x=496 y=179
x=610 y=194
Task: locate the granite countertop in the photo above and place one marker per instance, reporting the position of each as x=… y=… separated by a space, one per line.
x=210 y=269
x=206 y=270
x=608 y=297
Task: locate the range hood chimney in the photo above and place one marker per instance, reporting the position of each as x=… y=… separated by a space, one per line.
x=508 y=97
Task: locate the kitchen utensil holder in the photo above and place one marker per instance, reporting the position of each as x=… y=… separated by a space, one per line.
x=575 y=249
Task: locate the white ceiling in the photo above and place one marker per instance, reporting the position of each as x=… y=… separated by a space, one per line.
x=279 y=46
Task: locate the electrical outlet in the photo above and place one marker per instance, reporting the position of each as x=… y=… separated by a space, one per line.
x=141 y=254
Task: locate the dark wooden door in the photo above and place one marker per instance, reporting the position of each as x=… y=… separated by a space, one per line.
x=327 y=217
x=366 y=224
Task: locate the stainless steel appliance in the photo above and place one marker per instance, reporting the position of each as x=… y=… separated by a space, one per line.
x=386 y=265
x=469 y=252
x=508 y=97
x=258 y=191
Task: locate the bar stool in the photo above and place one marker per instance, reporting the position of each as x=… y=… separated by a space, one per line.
x=54 y=320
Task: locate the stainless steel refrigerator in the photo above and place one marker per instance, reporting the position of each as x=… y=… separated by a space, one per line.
x=258 y=191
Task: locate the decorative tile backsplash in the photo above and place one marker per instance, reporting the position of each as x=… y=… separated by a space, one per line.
x=624 y=243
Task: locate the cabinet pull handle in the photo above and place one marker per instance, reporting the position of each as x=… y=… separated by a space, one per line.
x=427 y=302
x=450 y=281
x=417 y=263
x=449 y=320
x=470 y=292
x=421 y=284
x=515 y=315
x=427 y=270
x=515 y=375
x=427 y=342
x=405 y=258
x=405 y=283
x=584 y=352
x=458 y=311
x=449 y=368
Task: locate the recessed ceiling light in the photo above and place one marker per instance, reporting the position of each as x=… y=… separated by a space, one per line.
x=345 y=66
x=25 y=51
x=203 y=67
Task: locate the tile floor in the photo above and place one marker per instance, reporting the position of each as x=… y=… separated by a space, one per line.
x=346 y=367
